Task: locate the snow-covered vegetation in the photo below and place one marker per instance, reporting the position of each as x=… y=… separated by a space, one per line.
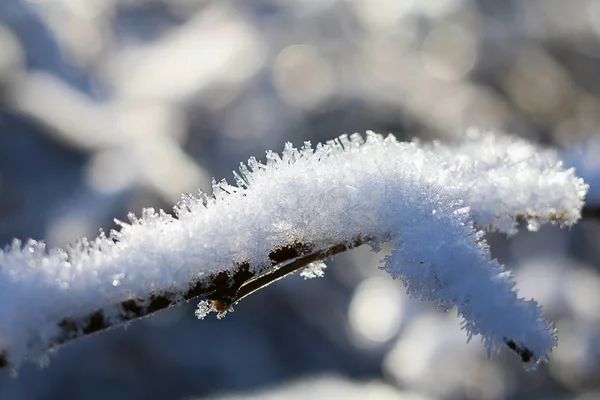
x=429 y=202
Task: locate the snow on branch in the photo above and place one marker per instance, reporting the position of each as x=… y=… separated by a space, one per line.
x=298 y=208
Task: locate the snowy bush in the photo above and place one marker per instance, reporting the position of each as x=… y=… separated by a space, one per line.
x=433 y=202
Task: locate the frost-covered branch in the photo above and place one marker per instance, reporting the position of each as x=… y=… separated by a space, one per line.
x=298 y=208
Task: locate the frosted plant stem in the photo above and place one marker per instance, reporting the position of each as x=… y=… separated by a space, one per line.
x=429 y=202
x=266 y=279
x=221 y=290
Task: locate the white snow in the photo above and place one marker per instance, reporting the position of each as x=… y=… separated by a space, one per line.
x=422 y=198
x=585 y=158
x=503 y=176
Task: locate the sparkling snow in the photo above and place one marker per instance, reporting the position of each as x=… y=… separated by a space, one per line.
x=425 y=199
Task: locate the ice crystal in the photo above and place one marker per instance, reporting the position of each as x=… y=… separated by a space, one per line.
x=314 y=270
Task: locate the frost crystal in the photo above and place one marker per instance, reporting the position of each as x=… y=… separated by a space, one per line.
x=314 y=270
x=504 y=176
x=425 y=199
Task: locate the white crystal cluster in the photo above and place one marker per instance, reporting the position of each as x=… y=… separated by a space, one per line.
x=501 y=176
x=425 y=199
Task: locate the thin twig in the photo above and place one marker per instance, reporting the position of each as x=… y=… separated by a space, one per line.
x=590 y=212
x=223 y=289
x=253 y=285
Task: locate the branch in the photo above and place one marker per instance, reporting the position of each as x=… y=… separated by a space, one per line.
x=591 y=212
x=223 y=289
x=302 y=207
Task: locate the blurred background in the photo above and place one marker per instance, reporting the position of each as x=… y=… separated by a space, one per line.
x=108 y=106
